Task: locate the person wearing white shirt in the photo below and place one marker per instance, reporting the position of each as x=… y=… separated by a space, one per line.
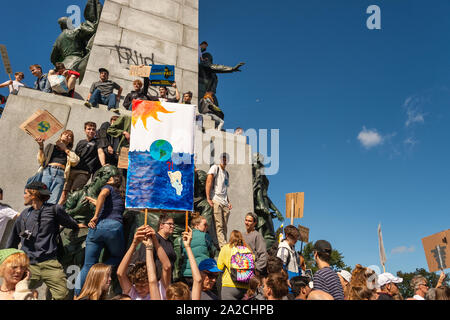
x=6 y=213
x=14 y=85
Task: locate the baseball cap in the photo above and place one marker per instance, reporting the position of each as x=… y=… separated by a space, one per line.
x=322 y=246
x=346 y=275
x=5 y=253
x=103 y=70
x=39 y=186
x=387 y=277
x=209 y=265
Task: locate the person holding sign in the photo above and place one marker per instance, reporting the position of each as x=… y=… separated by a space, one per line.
x=14 y=85
x=70 y=77
x=164 y=94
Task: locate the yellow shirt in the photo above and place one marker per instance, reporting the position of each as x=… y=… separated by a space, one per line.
x=223 y=263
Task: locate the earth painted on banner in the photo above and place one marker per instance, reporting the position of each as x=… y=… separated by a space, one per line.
x=161 y=150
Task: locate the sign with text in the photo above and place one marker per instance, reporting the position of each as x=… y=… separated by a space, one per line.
x=437 y=250
x=41 y=124
x=5 y=59
x=162 y=75
x=294 y=204
x=123 y=158
x=140 y=71
x=304 y=233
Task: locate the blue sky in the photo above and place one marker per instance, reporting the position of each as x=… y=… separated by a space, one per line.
x=315 y=72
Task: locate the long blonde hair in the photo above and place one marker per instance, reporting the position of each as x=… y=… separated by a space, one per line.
x=93 y=286
x=237 y=239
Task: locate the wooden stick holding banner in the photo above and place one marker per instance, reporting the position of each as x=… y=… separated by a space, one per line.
x=187 y=218
x=292 y=211
x=145 y=218
x=6 y=62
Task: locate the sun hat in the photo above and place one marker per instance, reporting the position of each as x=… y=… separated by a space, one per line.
x=385 y=278
x=346 y=275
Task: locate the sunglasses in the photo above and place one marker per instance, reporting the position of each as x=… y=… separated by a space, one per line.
x=211 y=275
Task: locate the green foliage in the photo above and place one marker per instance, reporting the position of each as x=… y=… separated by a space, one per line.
x=405 y=287
x=336 y=261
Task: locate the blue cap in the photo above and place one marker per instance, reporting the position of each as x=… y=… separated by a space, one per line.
x=209 y=265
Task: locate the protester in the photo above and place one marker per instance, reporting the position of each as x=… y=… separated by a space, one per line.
x=135 y=283
x=41 y=83
x=108 y=144
x=202 y=246
x=443 y=293
x=232 y=289
x=300 y=287
x=139 y=93
x=325 y=278
x=179 y=290
x=276 y=286
x=256 y=242
x=362 y=284
x=419 y=284
x=56 y=161
x=14 y=270
x=70 y=75
x=209 y=273
x=121 y=129
x=286 y=251
x=97 y=283
x=164 y=94
x=88 y=150
x=431 y=294
x=255 y=289
x=218 y=181
x=387 y=286
x=105 y=229
x=37 y=230
x=6 y=213
x=319 y=295
x=345 y=277
x=103 y=92
x=187 y=97
x=274 y=265
x=16 y=84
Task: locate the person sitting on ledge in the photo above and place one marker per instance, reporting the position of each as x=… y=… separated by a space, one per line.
x=41 y=82
x=70 y=75
x=138 y=93
x=164 y=94
x=187 y=97
x=103 y=92
x=14 y=85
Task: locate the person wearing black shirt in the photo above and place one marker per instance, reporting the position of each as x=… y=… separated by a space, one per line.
x=37 y=230
x=108 y=144
x=89 y=152
x=139 y=93
x=164 y=94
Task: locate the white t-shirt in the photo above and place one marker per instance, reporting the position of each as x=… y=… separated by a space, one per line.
x=221 y=183
x=14 y=88
x=6 y=214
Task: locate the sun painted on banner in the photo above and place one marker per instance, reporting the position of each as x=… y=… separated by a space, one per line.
x=161 y=156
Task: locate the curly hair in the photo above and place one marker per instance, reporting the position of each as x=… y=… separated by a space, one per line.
x=359 y=288
x=138 y=273
x=178 y=291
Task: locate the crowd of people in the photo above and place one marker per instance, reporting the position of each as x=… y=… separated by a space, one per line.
x=210 y=267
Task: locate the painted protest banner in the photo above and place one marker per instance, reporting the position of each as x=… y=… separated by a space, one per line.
x=5 y=59
x=161 y=156
x=41 y=124
x=437 y=250
x=162 y=75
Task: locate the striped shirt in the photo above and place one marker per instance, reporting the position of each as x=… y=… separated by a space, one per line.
x=327 y=280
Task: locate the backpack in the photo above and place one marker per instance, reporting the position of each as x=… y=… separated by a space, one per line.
x=242 y=266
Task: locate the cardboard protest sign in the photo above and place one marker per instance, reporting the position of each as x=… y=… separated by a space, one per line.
x=304 y=233
x=437 y=250
x=140 y=71
x=162 y=75
x=294 y=204
x=123 y=158
x=5 y=59
x=41 y=124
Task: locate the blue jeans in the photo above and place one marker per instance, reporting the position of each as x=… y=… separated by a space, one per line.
x=107 y=234
x=54 y=179
x=97 y=98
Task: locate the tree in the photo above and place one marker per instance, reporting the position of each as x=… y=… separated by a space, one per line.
x=405 y=287
x=336 y=261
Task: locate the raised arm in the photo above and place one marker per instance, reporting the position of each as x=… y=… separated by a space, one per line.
x=196 y=276
x=162 y=256
x=122 y=276
x=151 y=270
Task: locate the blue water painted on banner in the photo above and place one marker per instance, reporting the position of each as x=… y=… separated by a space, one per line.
x=149 y=185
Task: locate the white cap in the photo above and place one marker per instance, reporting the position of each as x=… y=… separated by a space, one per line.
x=386 y=278
x=346 y=275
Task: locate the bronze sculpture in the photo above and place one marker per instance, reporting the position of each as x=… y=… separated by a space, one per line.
x=265 y=209
x=73 y=46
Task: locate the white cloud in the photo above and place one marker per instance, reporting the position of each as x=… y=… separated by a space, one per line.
x=410 y=141
x=414 y=116
x=402 y=249
x=370 y=138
